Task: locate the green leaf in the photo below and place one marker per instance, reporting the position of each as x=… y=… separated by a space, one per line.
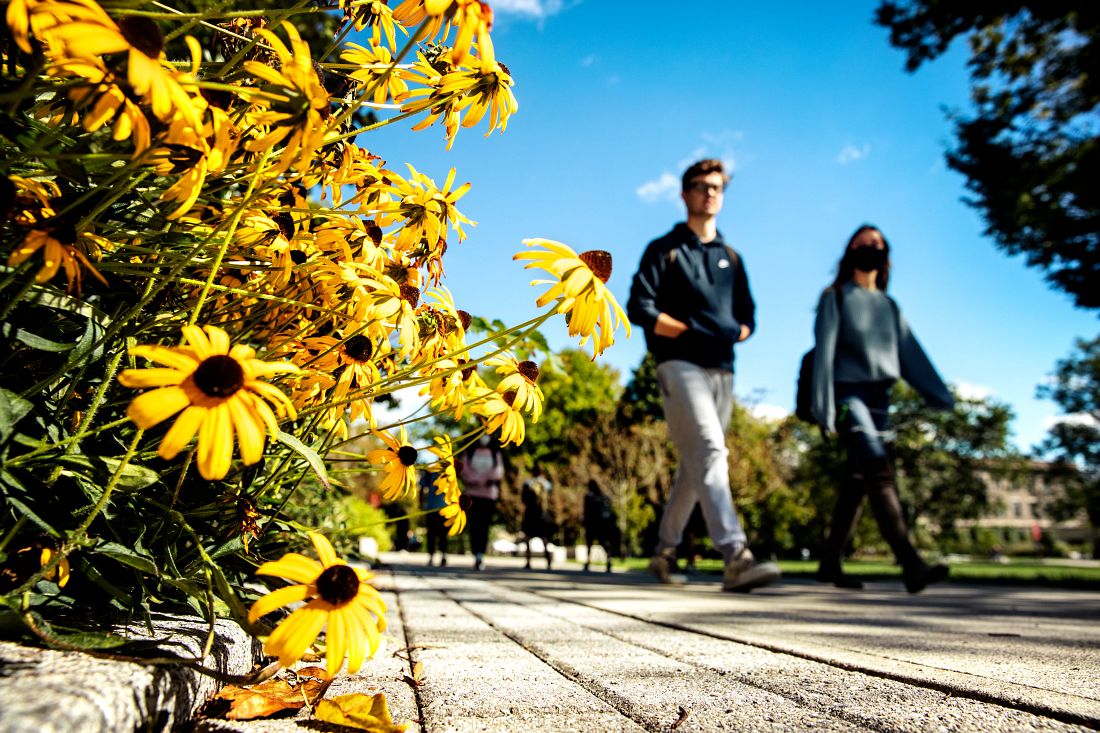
x=13 y=408
x=133 y=475
x=34 y=340
x=308 y=453
x=27 y=512
x=126 y=556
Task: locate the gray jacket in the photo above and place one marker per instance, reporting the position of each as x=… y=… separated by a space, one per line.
x=869 y=342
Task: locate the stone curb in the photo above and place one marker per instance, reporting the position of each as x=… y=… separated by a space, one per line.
x=48 y=691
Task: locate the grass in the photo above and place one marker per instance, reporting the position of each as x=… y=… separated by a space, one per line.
x=1048 y=573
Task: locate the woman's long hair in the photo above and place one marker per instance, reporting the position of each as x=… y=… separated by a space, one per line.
x=846 y=268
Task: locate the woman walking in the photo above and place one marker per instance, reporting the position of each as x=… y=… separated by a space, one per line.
x=481 y=474
x=863 y=345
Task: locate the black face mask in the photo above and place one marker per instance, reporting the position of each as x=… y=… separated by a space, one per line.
x=866 y=259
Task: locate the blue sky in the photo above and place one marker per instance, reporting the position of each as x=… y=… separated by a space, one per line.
x=824 y=130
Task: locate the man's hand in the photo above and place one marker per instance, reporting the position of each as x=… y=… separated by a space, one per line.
x=744 y=333
x=668 y=326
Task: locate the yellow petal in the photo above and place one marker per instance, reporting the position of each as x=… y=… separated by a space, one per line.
x=181 y=432
x=293 y=636
x=216 y=444
x=249 y=427
x=140 y=378
x=150 y=408
x=325 y=553
x=293 y=566
x=277 y=599
x=336 y=641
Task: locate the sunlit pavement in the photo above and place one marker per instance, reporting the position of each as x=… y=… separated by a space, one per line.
x=563 y=650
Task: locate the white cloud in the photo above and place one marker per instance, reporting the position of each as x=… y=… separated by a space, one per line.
x=1077 y=418
x=769 y=413
x=528 y=8
x=850 y=153
x=976 y=392
x=664 y=188
x=588 y=60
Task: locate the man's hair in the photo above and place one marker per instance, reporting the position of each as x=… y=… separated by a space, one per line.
x=702 y=168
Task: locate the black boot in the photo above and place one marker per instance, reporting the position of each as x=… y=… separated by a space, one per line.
x=883 y=494
x=843 y=526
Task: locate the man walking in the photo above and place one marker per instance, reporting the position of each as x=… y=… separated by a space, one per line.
x=691 y=297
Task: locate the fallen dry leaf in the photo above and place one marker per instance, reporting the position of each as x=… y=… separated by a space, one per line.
x=365 y=712
x=684 y=712
x=292 y=691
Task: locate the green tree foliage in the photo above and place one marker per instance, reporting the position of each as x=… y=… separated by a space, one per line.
x=1029 y=150
x=942 y=456
x=641 y=399
x=1074 y=444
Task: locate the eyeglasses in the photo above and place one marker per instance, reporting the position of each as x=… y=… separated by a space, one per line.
x=704 y=187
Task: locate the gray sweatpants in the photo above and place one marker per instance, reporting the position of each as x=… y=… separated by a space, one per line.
x=698 y=405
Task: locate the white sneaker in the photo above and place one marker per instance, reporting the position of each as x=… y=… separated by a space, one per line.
x=744 y=572
x=661 y=565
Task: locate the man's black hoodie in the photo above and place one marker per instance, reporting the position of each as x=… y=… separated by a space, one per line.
x=703 y=285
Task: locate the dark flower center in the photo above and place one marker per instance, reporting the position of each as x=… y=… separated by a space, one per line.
x=410 y=294
x=599 y=262
x=143 y=34
x=465 y=319
x=359 y=348
x=529 y=369
x=374 y=232
x=509 y=397
x=338 y=585
x=407 y=455
x=298 y=257
x=286 y=224
x=219 y=376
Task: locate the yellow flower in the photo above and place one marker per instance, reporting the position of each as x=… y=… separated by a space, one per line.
x=61 y=572
x=337 y=595
x=425 y=211
x=446 y=484
x=220 y=392
x=375 y=71
x=188 y=156
x=398 y=460
x=473 y=18
x=297 y=115
x=375 y=14
x=500 y=412
x=519 y=377
x=89 y=33
x=579 y=289
x=61 y=249
x=486 y=89
x=102 y=100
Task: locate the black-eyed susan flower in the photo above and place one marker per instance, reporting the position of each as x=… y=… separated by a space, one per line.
x=579 y=289
x=485 y=89
x=291 y=107
x=373 y=14
x=102 y=99
x=398 y=461
x=90 y=33
x=501 y=414
x=472 y=18
x=61 y=572
x=375 y=72
x=220 y=392
x=519 y=377
x=337 y=596
x=61 y=249
x=446 y=485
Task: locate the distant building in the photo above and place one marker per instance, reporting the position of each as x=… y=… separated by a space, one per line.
x=1018 y=503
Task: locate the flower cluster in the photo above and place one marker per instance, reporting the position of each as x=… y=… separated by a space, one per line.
x=201 y=174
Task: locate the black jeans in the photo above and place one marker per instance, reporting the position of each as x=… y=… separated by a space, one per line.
x=478 y=519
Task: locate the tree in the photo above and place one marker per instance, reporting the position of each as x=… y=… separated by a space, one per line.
x=1030 y=151
x=642 y=397
x=942 y=456
x=1074 y=443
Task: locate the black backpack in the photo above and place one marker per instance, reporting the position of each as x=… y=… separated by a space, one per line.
x=803 y=397
x=804 y=390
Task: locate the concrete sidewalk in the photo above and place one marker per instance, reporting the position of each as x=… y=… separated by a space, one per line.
x=513 y=650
